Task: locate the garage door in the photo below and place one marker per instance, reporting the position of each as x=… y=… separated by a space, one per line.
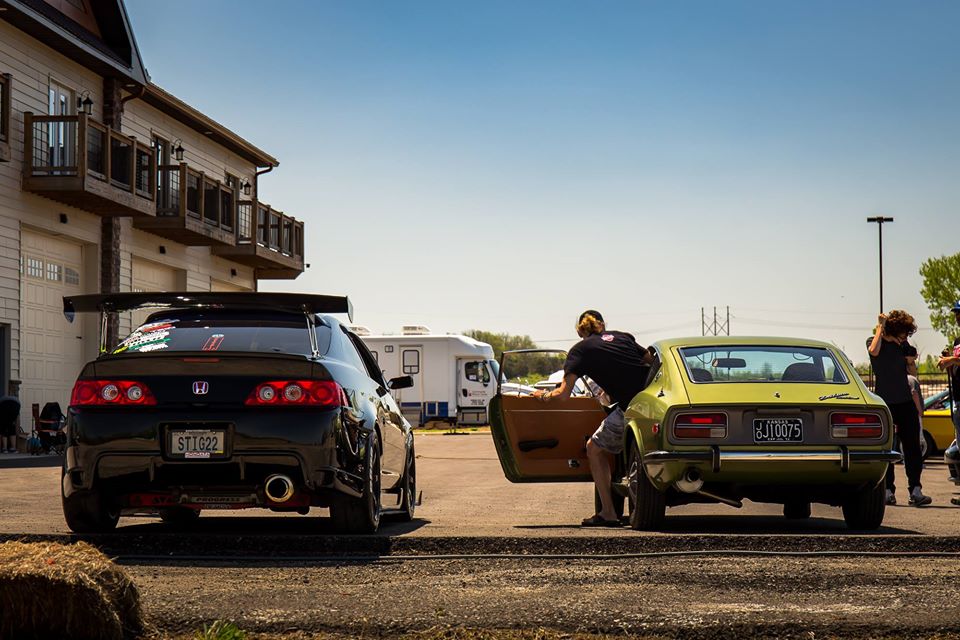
x=51 y=349
x=220 y=285
x=151 y=276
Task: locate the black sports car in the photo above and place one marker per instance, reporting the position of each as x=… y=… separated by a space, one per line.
x=230 y=401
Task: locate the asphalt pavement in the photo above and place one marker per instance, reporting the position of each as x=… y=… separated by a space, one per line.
x=486 y=554
x=466 y=495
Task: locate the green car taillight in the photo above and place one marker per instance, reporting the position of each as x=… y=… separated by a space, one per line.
x=699 y=426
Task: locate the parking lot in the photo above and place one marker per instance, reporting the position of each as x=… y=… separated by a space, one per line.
x=465 y=494
x=275 y=573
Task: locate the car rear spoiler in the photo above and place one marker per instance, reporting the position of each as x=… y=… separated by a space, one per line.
x=293 y=302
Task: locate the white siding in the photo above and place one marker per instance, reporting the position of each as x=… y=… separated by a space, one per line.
x=33 y=66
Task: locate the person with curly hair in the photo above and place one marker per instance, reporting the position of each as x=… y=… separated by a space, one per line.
x=619 y=365
x=889 y=362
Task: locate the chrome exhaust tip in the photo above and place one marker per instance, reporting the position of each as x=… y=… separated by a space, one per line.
x=691 y=481
x=278 y=488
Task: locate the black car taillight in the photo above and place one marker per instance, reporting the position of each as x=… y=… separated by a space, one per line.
x=289 y=393
x=700 y=425
x=111 y=393
x=856 y=425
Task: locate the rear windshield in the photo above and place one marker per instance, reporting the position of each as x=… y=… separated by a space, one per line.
x=761 y=364
x=224 y=332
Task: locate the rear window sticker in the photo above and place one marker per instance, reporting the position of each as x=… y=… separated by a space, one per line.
x=213 y=342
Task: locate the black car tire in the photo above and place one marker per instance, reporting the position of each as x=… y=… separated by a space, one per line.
x=647 y=505
x=89 y=512
x=865 y=509
x=408 y=487
x=796 y=510
x=928 y=446
x=361 y=515
x=179 y=517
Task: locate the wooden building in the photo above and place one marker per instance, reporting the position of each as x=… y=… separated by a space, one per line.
x=109 y=183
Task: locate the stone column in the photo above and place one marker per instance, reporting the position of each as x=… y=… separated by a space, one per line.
x=110 y=225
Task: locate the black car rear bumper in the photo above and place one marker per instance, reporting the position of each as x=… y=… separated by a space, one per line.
x=129 y=452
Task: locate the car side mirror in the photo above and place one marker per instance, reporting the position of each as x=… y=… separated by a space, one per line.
x=403 y=382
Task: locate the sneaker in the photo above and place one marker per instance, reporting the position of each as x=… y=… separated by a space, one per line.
x=917 y=499
x=891 y=497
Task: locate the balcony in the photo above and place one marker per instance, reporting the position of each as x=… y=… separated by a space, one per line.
x=80 y=162
x=5 y=99
x=192 y=209
x=267 y=240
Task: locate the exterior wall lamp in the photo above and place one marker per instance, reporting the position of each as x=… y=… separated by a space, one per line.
x=178 y=149
x=85 y=103
x=246 y=187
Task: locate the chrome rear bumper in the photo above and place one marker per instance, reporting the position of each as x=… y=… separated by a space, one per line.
x=717 y=456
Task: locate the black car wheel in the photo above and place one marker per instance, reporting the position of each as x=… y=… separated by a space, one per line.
x=865 y=508
x=361 y=515
x=796 y=510
x=647 y=505
x=179 y=517
x=408 y=489
x=89 y=512
x=928 y=446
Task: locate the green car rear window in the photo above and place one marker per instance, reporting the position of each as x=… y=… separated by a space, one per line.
x=757 y=363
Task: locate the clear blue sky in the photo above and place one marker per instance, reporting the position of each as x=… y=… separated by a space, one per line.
x=504 y=165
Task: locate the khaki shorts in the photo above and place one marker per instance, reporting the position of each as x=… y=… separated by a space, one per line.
x=609 y=436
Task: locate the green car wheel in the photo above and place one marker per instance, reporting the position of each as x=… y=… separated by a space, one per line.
x=647 y=505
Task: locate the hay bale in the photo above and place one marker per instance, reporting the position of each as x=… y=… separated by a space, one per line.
x=50 y=590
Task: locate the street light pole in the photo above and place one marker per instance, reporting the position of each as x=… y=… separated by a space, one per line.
x=880 y=220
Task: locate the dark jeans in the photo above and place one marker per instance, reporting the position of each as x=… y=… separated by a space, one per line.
x=908 y=431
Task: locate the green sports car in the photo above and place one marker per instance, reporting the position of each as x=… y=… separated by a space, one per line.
x=721 y=419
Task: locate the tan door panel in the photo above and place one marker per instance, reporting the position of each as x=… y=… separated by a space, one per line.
x=546 y=437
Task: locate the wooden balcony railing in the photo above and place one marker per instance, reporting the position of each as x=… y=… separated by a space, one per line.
x=267 y=239
x=192 y=208
x=84 y=163
x=6 y=92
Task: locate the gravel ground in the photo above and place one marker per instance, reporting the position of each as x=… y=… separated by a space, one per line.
x=714 y=597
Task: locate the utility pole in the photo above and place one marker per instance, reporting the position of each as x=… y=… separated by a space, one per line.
x=716 y=326
x=880 y=220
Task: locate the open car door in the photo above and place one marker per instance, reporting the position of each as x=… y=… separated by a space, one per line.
x=537 y=441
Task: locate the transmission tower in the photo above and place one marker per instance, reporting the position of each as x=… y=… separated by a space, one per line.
x=717 y=326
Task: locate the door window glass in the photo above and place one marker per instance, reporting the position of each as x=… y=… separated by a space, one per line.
x=60 y=135
x=477 y=372
x=411 y=362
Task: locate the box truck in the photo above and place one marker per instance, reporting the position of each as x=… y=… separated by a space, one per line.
x=454 y=376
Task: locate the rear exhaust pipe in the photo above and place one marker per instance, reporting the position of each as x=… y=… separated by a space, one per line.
x=278 y=488
x=691 y=481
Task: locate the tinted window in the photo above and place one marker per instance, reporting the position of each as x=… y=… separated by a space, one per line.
x=213 y=331
x=350 y=354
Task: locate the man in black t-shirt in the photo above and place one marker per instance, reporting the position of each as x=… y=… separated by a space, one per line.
x=951 y=364
x=615 y=361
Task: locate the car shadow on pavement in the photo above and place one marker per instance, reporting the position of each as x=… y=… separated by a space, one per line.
x=308 y=525
x=23 y=461
x=745 y=524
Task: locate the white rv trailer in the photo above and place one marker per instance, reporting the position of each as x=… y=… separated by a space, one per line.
x=454 y=377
